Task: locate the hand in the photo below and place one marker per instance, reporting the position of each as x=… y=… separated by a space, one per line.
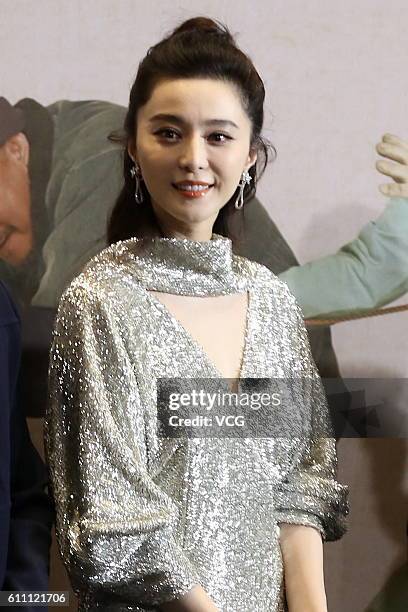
x=396 y=149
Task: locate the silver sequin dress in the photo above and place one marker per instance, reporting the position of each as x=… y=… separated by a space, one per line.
x=141 y=518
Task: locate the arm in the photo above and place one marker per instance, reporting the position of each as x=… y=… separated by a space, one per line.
x=372 y=270
x=26 y=555
x=31 y=516
x=366 y=273
x=308 y=494
x=302 y=552
x=115 y=525
x=9 y=357
x=196 y=600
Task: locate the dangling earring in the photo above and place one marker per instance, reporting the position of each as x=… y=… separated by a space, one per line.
x=246 y=178
x=135 y=174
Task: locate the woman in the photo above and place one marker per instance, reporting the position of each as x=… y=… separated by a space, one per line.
x=147 y=522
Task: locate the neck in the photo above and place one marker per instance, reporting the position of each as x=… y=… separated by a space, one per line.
x=174 y=228
x=195 y=235
x=180 y=265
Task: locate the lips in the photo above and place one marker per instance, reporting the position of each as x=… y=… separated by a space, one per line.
x=192 y=189
x=189 y=190
x=191 y=185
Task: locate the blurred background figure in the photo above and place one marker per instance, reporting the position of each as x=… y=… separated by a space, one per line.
x=26 y=513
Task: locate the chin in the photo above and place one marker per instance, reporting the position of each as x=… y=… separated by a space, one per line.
x=17 y=252
x=199 y=216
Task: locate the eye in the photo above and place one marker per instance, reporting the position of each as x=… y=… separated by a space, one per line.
x=224 y=136
x=165 y=132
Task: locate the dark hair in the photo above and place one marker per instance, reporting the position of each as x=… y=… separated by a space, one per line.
x=198 y=48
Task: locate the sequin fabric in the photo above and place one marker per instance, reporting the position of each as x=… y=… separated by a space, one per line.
x=141 y=519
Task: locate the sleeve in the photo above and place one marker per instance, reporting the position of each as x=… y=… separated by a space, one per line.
x=31 y=516
x=9 y=361
x=309 y=493
x=366 y=273
x=25 y=510
x=114 y=524
x=86 y=178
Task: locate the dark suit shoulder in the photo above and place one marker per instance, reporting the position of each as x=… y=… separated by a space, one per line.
x=8 y=311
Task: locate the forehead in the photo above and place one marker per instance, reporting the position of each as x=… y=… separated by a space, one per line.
x=196 y=99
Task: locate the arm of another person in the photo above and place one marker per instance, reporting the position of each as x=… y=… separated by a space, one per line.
x=9 y=358
x=32 y=513
x=372 y=270
x=115 y=524
x=310 y=504
x=366 y=273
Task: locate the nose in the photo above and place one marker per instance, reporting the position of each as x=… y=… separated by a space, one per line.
x=193 y=154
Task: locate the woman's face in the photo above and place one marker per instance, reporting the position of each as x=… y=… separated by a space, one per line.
x=192 y=130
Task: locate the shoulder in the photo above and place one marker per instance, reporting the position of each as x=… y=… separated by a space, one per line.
x=105 y=283
x=275 y=302
x=81 y=134
x=104 y=304
x=8 y=310
x=74 y=113
x=264 y=279
x=10 y=337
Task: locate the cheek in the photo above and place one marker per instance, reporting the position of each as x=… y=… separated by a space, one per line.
x=23 y=200
x=15 y=204
x=9 y=208
x=18 y=248
x=156 y=165
x=229 y=165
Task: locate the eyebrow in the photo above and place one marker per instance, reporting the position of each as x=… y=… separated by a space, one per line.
x=181 y=121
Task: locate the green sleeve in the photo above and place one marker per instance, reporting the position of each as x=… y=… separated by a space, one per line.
x=366 y=273
x=85 y=181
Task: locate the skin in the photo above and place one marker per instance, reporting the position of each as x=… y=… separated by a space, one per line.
x=302 y=552
x=396 y=150
x=169 y=152
x=15 y=201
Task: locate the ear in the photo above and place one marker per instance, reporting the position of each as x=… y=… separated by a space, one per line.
x=17 y=147
x=131 y=150
x=252 y=157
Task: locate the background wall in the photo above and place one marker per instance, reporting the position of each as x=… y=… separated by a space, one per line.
x=336 y=80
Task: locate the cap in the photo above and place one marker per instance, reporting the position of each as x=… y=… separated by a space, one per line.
x=11 y=120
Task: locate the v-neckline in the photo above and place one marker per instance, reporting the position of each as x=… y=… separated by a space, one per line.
x=198 y=346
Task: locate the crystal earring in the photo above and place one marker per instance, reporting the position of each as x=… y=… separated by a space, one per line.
x=246 y=178
x=135 y=174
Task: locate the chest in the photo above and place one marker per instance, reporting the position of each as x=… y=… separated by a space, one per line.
x=216 y=326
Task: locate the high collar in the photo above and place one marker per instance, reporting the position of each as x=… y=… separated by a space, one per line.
x=182 y=266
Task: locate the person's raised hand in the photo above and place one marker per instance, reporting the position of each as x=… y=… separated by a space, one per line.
x=395 y=149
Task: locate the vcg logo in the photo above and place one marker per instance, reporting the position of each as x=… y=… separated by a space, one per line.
x=230 y=420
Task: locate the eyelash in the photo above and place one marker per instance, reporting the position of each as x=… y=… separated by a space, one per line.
x=160 y=132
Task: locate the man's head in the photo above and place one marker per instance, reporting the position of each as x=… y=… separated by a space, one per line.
x=16 y=232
